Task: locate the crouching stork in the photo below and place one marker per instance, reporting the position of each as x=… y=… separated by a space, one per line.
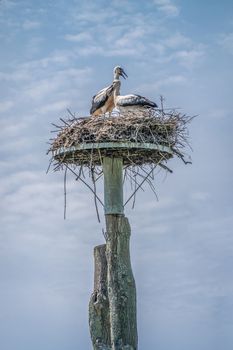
x=130 y=103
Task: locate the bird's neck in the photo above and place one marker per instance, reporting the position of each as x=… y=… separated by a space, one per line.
x=117 y=88
x=116 y=76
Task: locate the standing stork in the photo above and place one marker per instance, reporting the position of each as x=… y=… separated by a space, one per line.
x=130 y=103
x=103 y=101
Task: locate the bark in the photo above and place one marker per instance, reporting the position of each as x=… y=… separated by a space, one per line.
x=99 y=305
x=112 y=309
x=121 y=284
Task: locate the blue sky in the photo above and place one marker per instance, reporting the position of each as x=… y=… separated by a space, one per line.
x=56 y=55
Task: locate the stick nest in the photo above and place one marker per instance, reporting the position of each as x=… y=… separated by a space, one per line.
x=164 y=128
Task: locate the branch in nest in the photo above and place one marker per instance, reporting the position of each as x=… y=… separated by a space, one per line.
x=95 y=196
x=139 y=186
x=85 y=183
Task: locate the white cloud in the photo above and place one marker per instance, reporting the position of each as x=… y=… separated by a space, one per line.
x=167 y=81
x=178 y=48
x=189 y=58
x=28 y=25
x=13 y=129
x=177 y=40
x=15 y=145
x=56 y=106
x=6 y=105
x=167 y=7
x=55 y=58
x=8 y=3
x=226 y=42
x=57 y=81
x=42 y=88
x=130 y=37
x=46 y=81
x=17 y=75
x=33 y=46
x=36 y=69
x=200 y=196
x=78 y=37
x=173 y=80
x=35 y=195
x=133 y=51
x=218 y=113
x=147 y=39
x=94 y=14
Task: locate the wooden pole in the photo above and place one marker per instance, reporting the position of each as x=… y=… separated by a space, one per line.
x=121 y=284
x=113 y=185
x=99 y=304
x=112 y=308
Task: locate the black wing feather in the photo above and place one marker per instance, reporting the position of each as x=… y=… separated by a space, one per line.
x=98 y=102
x=137 y=101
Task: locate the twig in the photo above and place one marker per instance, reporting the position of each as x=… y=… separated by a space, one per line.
x=139 y=186
x=86 y=185
x=64 y=122
x=57 y=126
x=94 y=185
x=68 y=110
x=79 y=174
x=105 y=234
x=65 y=176
x=181 y=156
x=165 y=168
x=50 y=163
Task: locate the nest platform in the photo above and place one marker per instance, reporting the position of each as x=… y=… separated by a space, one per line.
x=140 y=143
x=138 y=140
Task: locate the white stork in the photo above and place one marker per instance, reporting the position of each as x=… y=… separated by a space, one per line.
x=103 y=101
x=130 y=103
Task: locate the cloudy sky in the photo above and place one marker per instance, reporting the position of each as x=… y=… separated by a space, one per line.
x=55 y=55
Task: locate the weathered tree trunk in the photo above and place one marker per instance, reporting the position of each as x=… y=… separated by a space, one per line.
x=112 y=308
x=121 y=285
x=99 y=305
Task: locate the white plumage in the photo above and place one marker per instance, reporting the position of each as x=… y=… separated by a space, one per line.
x=103 y=101
x=131 y=102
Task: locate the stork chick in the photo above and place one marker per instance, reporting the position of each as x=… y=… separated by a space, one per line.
x=130 y=103
x=103 y=101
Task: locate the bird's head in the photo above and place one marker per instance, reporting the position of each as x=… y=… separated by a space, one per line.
x=119 y=71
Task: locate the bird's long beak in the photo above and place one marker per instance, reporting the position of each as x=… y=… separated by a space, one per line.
x=123 y=74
